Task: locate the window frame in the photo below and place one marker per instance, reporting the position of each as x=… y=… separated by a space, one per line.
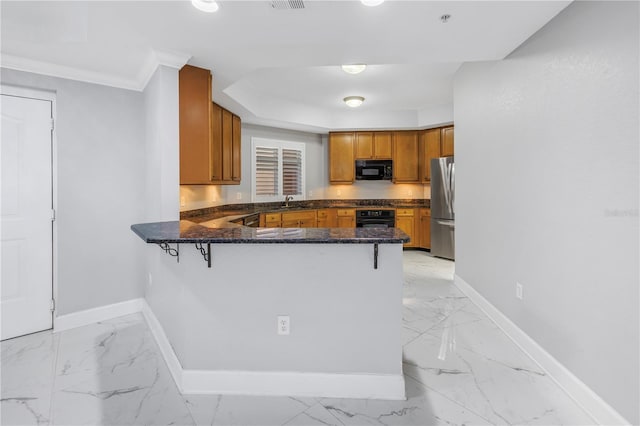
x=279 y=145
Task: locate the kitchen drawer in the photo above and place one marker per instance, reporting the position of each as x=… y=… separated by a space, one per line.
x=304 y=215
x=425 y=212
x=346 y=212
x=323 y=214
x=404 y=212
x=272 y=217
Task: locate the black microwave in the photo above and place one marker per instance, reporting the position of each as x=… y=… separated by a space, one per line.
x=374 y=170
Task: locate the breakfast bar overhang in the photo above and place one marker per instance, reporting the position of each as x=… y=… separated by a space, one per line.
x=216 y=321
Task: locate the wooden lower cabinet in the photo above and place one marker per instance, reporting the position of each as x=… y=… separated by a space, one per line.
x=414 y=222
x=405 y=220
x=301 y=219
x=270 y=220
x=327 y=218
x=346 y=218
x=424 y=228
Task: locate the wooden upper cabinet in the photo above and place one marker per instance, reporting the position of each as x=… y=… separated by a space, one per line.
x=195 y=125
x=373 y=145
x=382 y=145
x=446 y=141
x=227 y=138
x=364 y=145
x=405 y=157
x=216 y=142
x=341 y=158
x=225 y=146
x=429 y=148
x=210 y=151
x=236 y=149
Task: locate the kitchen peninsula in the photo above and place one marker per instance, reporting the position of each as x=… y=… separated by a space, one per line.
x=279 y=311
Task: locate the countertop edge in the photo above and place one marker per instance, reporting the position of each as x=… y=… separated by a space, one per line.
x=176 y=232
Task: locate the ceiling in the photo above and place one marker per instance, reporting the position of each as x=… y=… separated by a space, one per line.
x=279 y=67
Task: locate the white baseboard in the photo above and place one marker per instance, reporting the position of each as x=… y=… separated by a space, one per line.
x=170 y=357
x=283 y=383
x=276 y=383
x=101 y=313
x=589 y=401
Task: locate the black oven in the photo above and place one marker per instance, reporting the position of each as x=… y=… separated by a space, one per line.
x=375 y=218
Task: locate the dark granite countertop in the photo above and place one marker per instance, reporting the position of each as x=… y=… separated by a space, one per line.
x=185 y=231
x=238 y=210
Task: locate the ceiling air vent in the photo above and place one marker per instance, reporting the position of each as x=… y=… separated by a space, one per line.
x=287 y=4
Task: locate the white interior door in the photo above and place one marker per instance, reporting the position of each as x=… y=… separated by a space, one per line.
x=26 y=231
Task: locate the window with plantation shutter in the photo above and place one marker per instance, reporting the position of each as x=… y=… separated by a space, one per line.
x=291 y=172
x=278 y=170
x=266 y=171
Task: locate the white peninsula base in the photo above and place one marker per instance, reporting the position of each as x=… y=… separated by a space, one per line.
x=217 y=327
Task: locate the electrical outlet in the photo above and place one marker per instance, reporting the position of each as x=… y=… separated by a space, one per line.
x=339 y=192
x=238 y=195
x=284 y=325
x=182 y=202
x=310 y=194
x=519 y=291
x=150 y=279
x=409 y=193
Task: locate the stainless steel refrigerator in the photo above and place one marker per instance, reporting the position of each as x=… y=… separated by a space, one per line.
x=442 y=207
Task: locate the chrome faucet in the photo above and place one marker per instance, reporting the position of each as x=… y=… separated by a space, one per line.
x=287 y=198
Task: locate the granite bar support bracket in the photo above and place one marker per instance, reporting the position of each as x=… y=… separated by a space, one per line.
x=375 y=256
x=206 y=253
x=175 y=252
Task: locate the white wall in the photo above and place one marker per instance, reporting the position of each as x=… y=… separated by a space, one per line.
x=162 y=181
x=230 y=310
x=547 y=191
x=163 y=152
x=100 y=175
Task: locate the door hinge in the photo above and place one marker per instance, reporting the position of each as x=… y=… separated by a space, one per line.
x=53 y=305
x=53 y=126
x=53 y=215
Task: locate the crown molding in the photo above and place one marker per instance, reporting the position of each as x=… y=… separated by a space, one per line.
x=154 y=60
x=157 y=58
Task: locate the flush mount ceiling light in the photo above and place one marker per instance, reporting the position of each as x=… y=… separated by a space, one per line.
x=206 y=5
x=354 y=68
x=353 y=101
x=445 y=18
x=372 y=2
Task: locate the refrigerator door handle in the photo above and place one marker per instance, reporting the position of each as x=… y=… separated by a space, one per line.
x=450 y=223
x=452 y=186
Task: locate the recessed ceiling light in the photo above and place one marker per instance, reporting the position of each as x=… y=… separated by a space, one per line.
x=372 y=2
x=353 y=101
x=206 y=5
x=354 y=68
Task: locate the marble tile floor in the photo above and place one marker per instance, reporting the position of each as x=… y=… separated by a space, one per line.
x=459 y=369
